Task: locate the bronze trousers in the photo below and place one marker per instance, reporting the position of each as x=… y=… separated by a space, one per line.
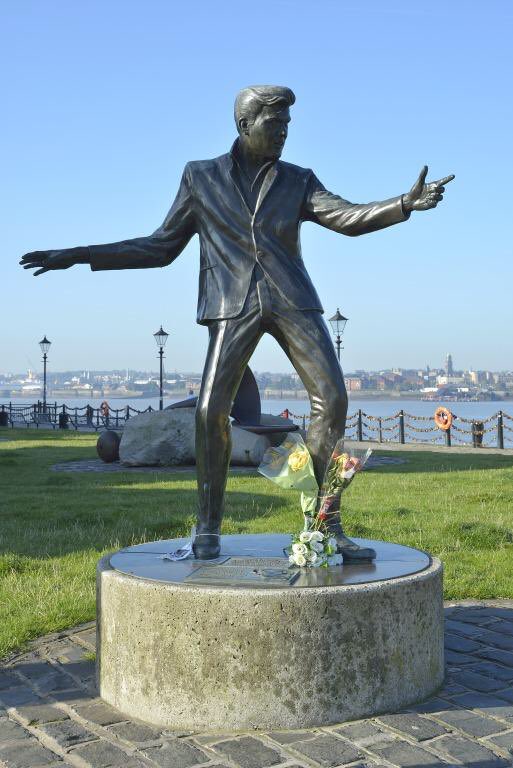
x=305 y=339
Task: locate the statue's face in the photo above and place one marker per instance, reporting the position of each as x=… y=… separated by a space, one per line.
x=266 y=136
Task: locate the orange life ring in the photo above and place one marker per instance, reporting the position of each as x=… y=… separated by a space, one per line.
x=104 y=408
x=443 y=418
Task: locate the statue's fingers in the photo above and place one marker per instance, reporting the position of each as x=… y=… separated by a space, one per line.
x=445 y=180
x=41 y=271
x=422 y=175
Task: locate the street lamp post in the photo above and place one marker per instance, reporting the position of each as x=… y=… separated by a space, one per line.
x=338 y=323
x=45 y=346
x=161 y=337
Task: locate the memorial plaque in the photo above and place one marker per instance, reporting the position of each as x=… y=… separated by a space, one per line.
x=258 y=562
x=241 y=571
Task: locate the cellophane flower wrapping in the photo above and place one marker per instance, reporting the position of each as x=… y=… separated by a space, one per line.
x=342 y=468
x=290 y=465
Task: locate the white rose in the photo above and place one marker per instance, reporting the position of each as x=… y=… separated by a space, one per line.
x=305 y=536
x=312 y=557
x=292 y=560
x=317 y=546
x=317 y=536
x=299 y=549
x=300 y=560
x=335 y=560
x=349 y=474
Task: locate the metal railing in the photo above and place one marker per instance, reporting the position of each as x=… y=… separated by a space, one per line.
x=402 y=427
x=66 y=417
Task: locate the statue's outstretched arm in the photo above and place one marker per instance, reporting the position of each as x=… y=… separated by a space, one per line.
x=353 y=219
x=156 y=250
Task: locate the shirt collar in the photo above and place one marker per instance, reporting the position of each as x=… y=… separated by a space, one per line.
x=235 y=155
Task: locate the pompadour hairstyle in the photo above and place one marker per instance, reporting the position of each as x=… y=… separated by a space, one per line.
x=251 y=100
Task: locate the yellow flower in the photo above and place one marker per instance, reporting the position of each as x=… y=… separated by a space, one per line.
x=298 y=459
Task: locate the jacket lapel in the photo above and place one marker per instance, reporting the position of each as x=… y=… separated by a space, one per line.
x=267 y=183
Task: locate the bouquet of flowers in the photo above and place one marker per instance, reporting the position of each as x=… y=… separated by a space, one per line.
x=290 y=465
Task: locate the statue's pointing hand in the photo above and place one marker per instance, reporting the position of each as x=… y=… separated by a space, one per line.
x=423 y=196
x=44 y=261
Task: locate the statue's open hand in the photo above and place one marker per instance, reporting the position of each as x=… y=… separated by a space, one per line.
x=423 y=196
x=44 y=261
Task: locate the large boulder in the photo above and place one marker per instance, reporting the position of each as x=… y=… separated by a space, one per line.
x=167 y=438
x=158 y=439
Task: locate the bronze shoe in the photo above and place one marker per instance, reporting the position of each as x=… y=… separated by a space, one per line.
x=206 y=546
x=350 y=550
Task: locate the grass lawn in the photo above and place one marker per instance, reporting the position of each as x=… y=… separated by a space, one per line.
x=54 y=526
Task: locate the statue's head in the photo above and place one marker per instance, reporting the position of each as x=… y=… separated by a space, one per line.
x=262 y=117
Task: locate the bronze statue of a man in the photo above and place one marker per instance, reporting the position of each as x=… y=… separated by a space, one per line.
x=247 y=207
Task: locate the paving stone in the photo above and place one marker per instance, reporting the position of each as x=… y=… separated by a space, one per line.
x=35 y=669
x=496 y=671
x=288 y=737
x=490 y=705
x=453 y=657
x=470 y=723
x=88 y=638
x=462 y=628
x=481 y=616
x=10 y=730
x=452 y=689
x=102 y=754
x=83 y=670
x=498 y=639
x=414 y=725
x=469 y=752
x=135 y=732
x=478 y=682
x=12 y=697
x=504 y=627
x=495 y=654
x=406 y=755
x=364 y=734
x=53 y=682
x=176 y=754
x=326 y=750
x=506 y=694
x=504 y=741
x=75 y=697
x=72 y=652
x=26 y=754
x=100 y=713
x=460 y=644
x=67 y=733
x=431 y=705
x=42 y=713
x=8 y=680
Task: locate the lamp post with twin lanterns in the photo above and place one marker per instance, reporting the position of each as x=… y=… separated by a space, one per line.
x=161 y=337
x=45 y=346
x=338 y=323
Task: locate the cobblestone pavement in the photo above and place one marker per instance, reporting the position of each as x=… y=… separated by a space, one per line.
x=97 y=465
x=50 y=714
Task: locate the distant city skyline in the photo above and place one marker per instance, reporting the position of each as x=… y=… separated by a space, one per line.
x=94 y=147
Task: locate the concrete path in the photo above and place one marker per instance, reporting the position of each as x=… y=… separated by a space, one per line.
x=97 y=465
x=50 y=714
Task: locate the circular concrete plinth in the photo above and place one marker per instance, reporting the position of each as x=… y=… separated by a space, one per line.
x=192 y=652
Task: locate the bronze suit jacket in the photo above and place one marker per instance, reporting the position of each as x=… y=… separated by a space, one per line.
x=233 y=238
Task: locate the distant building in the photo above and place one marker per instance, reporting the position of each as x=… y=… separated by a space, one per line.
x=353 y=383
x=455 y=381
x=449 y=368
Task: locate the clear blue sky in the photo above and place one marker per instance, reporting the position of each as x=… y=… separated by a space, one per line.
x=104 y=103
